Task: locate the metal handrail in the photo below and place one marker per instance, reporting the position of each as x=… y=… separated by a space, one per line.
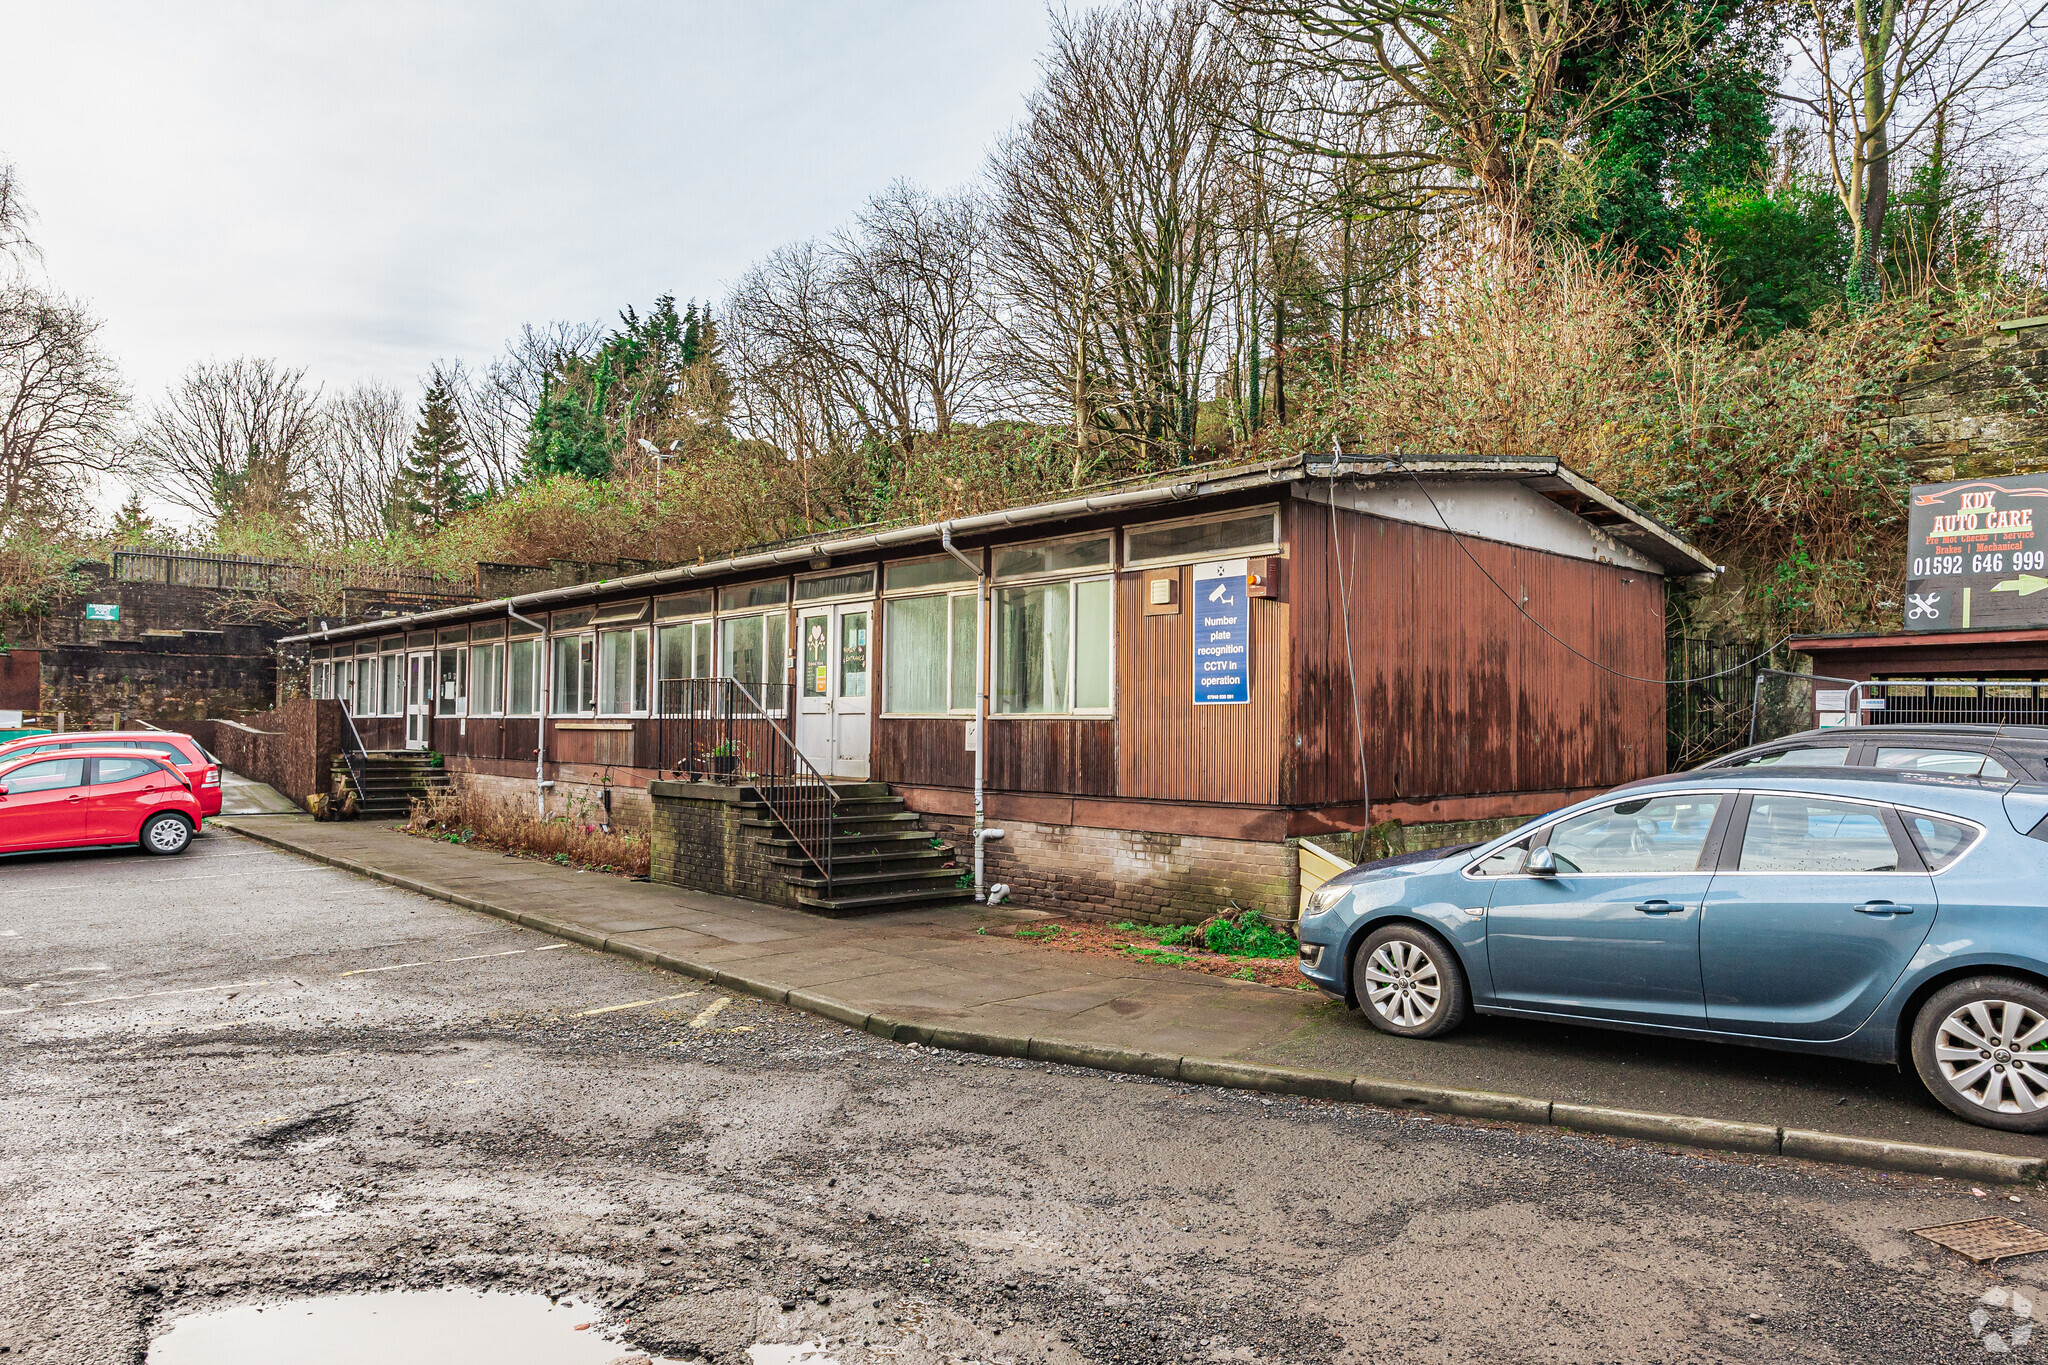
x=357 y=758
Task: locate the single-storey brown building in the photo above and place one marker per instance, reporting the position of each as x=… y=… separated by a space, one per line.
x=1156 y=689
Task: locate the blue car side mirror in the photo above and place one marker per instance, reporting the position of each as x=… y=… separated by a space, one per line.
x=1541 y=863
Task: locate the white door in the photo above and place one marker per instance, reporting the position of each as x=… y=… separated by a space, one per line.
x=833 y=673
x=419 y=699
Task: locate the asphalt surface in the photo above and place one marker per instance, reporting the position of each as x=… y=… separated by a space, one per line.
x=236 y=1076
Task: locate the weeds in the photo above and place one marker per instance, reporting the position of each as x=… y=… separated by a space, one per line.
x=461 y=815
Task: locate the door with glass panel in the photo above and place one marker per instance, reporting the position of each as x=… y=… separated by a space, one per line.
x=833 y=672
x=419 y=699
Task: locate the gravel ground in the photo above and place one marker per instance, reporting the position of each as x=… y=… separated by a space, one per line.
x=723 y=1172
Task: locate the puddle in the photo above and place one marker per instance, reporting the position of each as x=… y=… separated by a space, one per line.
x=427 y=1327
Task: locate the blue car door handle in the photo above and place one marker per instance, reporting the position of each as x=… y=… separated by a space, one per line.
x=1659 y=908
x=1883 y=908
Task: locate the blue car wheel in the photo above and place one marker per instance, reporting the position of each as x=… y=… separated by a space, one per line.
x=1408 y=982
x=1981 y=1047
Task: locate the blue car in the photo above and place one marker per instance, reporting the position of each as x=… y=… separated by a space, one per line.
x=1880 y=916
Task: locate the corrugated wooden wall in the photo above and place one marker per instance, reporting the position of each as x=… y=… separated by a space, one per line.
x=1461 y=695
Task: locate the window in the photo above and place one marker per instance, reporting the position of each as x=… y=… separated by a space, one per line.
x=1053 y=646
x=1824 y=756
x=1940 y=841
x=565 y=622
x=747 y=595
x=1171 y=542
x=620 y=614
x=451 y=696
x=682 y=651
x=522 y=677
x=572 y=687
x=1053 y=556
x=622 y=672
x=107 y=771
x=928 y=655
x=1956 y=762
x=852 y=583
x=753 y=649
x=321 y=685
x=683 y=605
x=487 y=680
x=391 y=692
x=367 y=683
x=1807 y=834
x=1504 y=862
x=1664 y=834
x=926 y=573
x=45 y=775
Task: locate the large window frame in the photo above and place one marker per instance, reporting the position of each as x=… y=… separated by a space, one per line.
x=1233 y=548
x=451 y=673
x=572 y=666
x=742 y=606
x=909 y=587
x=1088 y=584
x=525 y=664
x=487 y=670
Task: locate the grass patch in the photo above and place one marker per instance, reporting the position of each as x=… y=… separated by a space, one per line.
x=1246 y=936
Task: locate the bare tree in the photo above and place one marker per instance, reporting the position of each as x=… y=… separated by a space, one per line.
x=496 y=405
x=234 y=441
x=1109 y=205
x=1884 y=75
x=16 y=245
x=363 y=441
x=60 y=398
x=1483 y=84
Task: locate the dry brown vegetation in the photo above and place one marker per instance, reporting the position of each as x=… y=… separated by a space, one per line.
x=462 y=815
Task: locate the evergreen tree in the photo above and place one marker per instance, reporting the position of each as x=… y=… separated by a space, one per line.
x=133 y=526
x=433 y=483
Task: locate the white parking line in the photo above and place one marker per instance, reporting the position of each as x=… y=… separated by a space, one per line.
x=443 y=961
x=632 y=1005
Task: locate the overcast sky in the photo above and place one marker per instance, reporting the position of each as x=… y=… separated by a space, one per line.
x=361 y=188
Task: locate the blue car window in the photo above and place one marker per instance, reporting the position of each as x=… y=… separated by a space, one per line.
x=1660 y=835
x=1940 y=841
x=1808 y=834
x=1504 y=863
x=1817 y=756
x=1957 y=762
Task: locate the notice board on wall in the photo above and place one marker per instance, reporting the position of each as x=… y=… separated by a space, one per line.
x=1221 y=607
x=1977 y=555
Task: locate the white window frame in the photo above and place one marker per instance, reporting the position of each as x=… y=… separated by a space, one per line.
x=537 y=673
x=691 y=625
x=1271 y=546
x=576 y=639
x=881 y=656
x=1072 y=580
x=776 y=667
x=488 y=698
x=640 y=665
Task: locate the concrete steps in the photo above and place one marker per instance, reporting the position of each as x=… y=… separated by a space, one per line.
x=883 y=858
x=391 y=782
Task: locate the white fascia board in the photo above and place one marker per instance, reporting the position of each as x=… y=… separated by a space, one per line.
x=1497 y=509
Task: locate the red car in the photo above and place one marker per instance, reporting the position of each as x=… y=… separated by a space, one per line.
x=199 y=766
x=92 y=797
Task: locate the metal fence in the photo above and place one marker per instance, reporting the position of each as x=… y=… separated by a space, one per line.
x=1938 y=701
x=193 y=569
x=721 y=730
x=1722 y=699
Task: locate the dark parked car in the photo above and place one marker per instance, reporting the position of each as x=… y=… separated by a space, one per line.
x=1870 y=915
x=2009 y=751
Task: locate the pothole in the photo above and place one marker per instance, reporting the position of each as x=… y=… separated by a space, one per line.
x=444 y=1327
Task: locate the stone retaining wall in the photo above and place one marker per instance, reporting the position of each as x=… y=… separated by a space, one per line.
x=699 y=841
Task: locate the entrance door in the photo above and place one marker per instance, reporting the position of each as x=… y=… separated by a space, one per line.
x=419 y=699
x=832 y=723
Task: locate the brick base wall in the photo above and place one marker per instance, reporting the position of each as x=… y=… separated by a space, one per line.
x=1117 y=874
x=631 y=813
x=699 y=842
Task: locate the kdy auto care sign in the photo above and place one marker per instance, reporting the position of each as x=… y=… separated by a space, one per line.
x=1977 y=554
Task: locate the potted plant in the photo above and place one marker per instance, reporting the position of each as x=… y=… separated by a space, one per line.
x=721 y=758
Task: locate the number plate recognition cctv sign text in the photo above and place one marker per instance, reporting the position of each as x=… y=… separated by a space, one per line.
x=1977 y=555
x=1222 y=614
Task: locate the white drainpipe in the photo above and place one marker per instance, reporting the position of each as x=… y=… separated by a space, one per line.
x=982 y=833
x=540 y=724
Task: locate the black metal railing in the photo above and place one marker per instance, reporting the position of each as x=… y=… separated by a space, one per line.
x=352 y=753
x=722 y=730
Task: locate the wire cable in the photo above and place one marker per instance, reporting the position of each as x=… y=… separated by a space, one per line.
x=1459 y=540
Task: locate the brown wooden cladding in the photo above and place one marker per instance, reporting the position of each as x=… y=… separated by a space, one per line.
x=1065 y=757
x=1170 y=748
x=1460 y=694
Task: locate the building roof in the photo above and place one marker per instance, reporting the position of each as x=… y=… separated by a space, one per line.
x=1550 y=478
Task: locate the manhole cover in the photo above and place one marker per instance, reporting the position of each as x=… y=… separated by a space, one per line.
x=1986 y=1239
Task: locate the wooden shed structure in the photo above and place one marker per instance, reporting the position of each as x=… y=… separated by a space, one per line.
x=1163 y=685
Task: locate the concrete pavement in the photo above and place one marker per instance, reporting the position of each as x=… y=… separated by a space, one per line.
x=934 y=976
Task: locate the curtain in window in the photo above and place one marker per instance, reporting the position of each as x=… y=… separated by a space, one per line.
x=914 y=656
x=963 y=611
x=1032 y=641
x=519 y=658
x=742 y=650
x=1094 y=632
x=622 y=672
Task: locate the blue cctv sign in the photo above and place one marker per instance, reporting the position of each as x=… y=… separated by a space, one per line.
x=1223 y=633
